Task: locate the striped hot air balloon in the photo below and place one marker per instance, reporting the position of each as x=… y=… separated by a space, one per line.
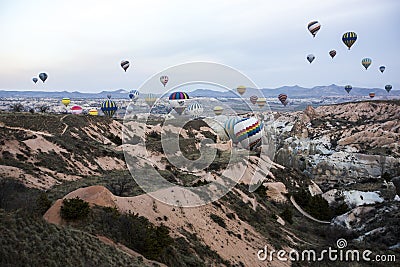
x=195 y=109
x=314 y=27
x=366 y=62
x=388 y=87
x=177 y=100
x=261 y=102
x=76 y=110
x=253 y=99
x=109 y=108
x=349 y=38
x=65 y=101
x=164 y=80
x=218 y=110
x=248 y=132
x=332 y=53
x=241 y=89
x=283 y=99
x=134 y=95
x=348 y=88
x=93 y=112
x=125 y=64
x=229 y=127
x=372 y=95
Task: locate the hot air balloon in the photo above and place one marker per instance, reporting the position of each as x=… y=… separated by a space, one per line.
x=76 y=110
x=253 y=99
x=388 y=87
x=109 y=107
x=332 y=53
x=382 y=68
x=241 y=89
x=283 y=99
x=43 y=76
x=218 y=110
x=229 y=127
x=261 y=102
x=150 y=99
x=349 y=38
x=125 y=64
x=366 y=62
x=195 y=109
x=164 y=80
x=109 y=96
x=248 y=132
x=93 y=112
x=314 y=27
x=66 y=101
x=177 y=100
x=34 y=79
x=134 y=95
x=348 y=88
x=372 y=95
x=310 y=58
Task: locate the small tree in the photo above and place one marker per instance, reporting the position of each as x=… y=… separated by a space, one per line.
x=74 y=209
x=44 y=108
x=42 y=203
x=17 y=107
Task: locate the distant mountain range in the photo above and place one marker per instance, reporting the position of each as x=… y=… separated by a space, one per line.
x=292 y=91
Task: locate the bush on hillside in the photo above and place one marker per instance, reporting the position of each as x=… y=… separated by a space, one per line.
x=74 y=209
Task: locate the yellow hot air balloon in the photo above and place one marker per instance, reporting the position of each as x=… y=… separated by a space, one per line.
x=241 y=89
x=218 y=110
x=66 y=101
x=261 y=101
x=93 y=112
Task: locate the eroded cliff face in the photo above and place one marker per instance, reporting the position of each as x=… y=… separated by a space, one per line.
x=342 y=143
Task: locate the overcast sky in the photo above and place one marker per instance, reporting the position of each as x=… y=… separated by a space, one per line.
x=80 y=43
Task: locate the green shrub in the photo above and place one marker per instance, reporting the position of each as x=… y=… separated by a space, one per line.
x=287 y=215
x=74 y=209
x=218 y=220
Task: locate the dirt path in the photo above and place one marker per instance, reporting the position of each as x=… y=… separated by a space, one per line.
x=305 y=213
x=66 y=125
x=26 y=130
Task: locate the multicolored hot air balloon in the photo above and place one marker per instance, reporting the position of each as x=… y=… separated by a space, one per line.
x=332 y=53
x=76 y=110
x=382 y=68
x=248 y=132
x=253 y=99
x=283 y=99
x=349 y=38
x=35 y=80
x=43 y=76
x=310 y=58
x=314 y=27
x=134 y=95
x=177 y=100
x=66 y=101
x=366 y=62
x=218 y=110
x=93 y=112
x=195 y=109
x=388 y=87
x=241 y=89
x=125 y=64
x=372 y=95
x=150 y=99
x=164 y=80
x=109 y=108
x=261 y=102
x=348 y=88
x=229 y=127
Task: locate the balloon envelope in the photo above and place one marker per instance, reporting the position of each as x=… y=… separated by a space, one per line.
x=283 y=99
x=34 y=79
x=195 y=109
x=372 y=95
x=241 y=89
x=43 y=76
x=109 y=107
x=218 y=110
x=253 y=99
x=134 y=95
x=314 y=27
x=65 y=101
x=348 y=88
x=366 y=62
x=229 y=127
x=164 y=80
x=310 y=58
x=248 y=132
x=382 y=68
x=332 y=53
x=261 y=102
x=93 y=112
x=125 y=64
x=349 y=38
x=388 y=87
x=76 y=110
